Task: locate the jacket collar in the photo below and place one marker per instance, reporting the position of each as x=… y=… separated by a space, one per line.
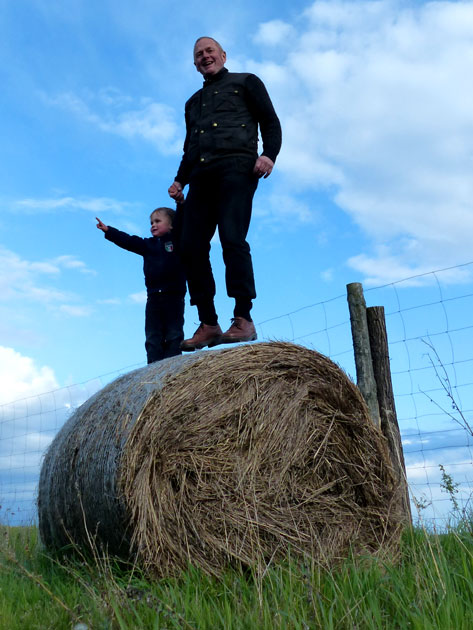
x=215 y=77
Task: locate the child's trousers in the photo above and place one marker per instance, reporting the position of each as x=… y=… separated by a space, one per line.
x=164 y=326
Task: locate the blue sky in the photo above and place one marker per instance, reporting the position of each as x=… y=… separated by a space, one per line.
x=373 y=183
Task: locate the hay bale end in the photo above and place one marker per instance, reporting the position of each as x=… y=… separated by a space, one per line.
x=226 y=457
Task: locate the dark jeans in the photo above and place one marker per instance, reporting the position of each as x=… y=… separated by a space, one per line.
x=164 y=326
x=220 y=195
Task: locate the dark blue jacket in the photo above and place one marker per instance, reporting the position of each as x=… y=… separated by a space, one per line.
x=161 y=265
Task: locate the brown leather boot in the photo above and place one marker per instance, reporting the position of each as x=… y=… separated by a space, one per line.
x=240 y=330
x=205 y=335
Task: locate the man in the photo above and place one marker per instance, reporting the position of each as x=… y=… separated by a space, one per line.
x=222 y=167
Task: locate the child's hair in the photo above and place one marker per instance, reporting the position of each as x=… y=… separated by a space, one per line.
x=169 y=212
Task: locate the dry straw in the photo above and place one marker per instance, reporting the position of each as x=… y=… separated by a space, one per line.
x=233 y=457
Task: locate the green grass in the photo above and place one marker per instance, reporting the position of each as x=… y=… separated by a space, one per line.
x=429 y=586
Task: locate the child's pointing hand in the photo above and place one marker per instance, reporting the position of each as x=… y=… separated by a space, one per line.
x=101 y=226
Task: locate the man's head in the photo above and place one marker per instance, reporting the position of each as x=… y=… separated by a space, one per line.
x=161 y=221
x=209 y=56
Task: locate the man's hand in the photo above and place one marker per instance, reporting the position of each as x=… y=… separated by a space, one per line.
x=263 y=166
x=101 y=226
x=175 y=192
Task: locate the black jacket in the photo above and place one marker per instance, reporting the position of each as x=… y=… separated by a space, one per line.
x=222 y=120
x=161 y=265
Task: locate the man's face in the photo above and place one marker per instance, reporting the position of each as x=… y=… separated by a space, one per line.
x=208 y=57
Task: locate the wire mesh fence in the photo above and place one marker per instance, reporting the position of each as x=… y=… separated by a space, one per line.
x=430 y=336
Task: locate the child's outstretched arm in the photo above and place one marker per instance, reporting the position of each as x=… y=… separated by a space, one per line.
x=134 y=244
x=101 y=226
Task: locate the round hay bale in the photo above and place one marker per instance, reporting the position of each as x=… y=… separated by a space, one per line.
x=229 y=456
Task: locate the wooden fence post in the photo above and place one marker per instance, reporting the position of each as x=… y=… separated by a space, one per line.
x=361 y=344
x=373 y=373
x=387 y=407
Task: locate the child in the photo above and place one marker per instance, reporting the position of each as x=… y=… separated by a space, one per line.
x=165 y=283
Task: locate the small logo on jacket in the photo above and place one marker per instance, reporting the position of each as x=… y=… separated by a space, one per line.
x=169 y=247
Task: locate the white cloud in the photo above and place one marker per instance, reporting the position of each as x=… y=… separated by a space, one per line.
x=110 y=301
x=384 y=267
x=32 y=410
x=23 y=280
x=71 y=262
x=20 y=377
x=274 y=33
x=19 y=278
x=94 y=205
x=138 y=298
x=327 y=275
x=282 y=209
x=376 y=107
x=75 y=311
x=150 y=121
x=154 y=122
x=55 y=265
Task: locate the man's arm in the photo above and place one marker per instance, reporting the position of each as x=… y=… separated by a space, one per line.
x=182 y=177
x=261 y=107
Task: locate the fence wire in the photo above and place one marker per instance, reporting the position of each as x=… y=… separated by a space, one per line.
x=430 y=335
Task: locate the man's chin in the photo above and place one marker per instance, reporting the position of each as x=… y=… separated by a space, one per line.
x=209 y=71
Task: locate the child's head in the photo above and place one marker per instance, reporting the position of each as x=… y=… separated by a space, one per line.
x=161 y=221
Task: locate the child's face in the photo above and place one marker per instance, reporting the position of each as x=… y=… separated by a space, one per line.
x=160 y=224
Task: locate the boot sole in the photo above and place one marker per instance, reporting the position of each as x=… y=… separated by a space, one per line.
x=215 y=342
x=199 y=346
x=239 y=339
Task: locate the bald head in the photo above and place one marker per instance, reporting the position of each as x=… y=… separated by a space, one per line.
x=212 y=39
